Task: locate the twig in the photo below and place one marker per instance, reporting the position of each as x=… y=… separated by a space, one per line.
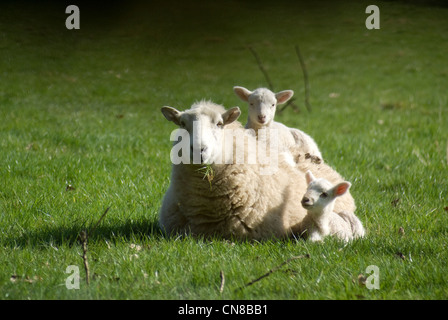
x=306 y=256
x=223 y=281
x=268 y=80
x=287 y=104
x=262 y=69
x=447 y=152
x=83 y=238
x=98 y=222
x=305 y=77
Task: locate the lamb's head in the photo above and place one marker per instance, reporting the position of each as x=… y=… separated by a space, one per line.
x=262 y=104
x=321 y=194
x=204 y=122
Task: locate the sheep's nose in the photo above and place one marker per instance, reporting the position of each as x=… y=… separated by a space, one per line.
x=202 y=148
x=202 y=154
x=199 y=153
x=262 y=118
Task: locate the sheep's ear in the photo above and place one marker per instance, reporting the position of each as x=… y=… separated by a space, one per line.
x=284 y=96
x=231 y=115
x=309 y=177
x=341 y=188
x=242 y=93
x=171 y=114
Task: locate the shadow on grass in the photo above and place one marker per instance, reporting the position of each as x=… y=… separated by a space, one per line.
x=130 y=231
x=68 y=236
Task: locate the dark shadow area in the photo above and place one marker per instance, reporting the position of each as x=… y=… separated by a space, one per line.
x=69 y=235
x=160 y=20
x=422 y=3
x=130 y=231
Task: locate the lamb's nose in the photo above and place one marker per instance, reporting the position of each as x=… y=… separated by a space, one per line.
x=305 y=201
x=262 y=118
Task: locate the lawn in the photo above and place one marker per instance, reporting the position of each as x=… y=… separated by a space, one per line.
x=82 y=131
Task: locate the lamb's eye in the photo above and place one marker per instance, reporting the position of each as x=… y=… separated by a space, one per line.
x=273 y=105
x=324 y=195
x=220 y=124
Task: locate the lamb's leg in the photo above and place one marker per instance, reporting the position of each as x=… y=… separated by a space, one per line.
x=315 y=236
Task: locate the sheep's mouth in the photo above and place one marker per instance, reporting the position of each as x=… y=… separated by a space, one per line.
x=261 y=121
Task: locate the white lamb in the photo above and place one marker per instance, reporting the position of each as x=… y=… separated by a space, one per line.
x=321 y=219
x=262 y=106
x=236 y=200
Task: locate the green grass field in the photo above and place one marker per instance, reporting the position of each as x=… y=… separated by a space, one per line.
x=81 y=130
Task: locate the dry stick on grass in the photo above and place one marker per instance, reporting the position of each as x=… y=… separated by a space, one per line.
x=447 y=152
x=306 y=256
x=262 y=69
x=223 y=281
x=268 y=80
x=305 y=77
x=83 y=237
x=289 y=103
x=83 y=240
x=98 y=222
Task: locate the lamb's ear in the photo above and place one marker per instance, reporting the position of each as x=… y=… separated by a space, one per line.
x=242 y=93
x=341 y=188
x=309 y=177
x=284 y=96
x=231 y=115
x=171 y=114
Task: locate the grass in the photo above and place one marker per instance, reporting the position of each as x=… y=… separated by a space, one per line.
x=82 y=130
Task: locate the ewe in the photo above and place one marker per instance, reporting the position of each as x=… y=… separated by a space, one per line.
x=321 y=220
x=236 y=201
x=262 y=106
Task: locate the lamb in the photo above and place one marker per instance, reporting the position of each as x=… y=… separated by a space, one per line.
x=236 y=201
x=321 y=220
x=262 y=106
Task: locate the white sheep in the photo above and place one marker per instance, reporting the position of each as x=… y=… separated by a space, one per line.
x=321 y=219
x=262 y=107
x=236 y=200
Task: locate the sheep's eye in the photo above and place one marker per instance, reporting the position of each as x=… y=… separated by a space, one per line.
x=273 y=105
x=220 y=124
x=324 y=195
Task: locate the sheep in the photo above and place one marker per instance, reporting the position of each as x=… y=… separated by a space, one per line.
x=237 y=201
x=262 y=106
x=321 y=219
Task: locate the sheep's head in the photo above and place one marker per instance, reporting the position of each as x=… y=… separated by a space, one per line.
x=203 y=124
x=262 y=104
x=321 y=194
